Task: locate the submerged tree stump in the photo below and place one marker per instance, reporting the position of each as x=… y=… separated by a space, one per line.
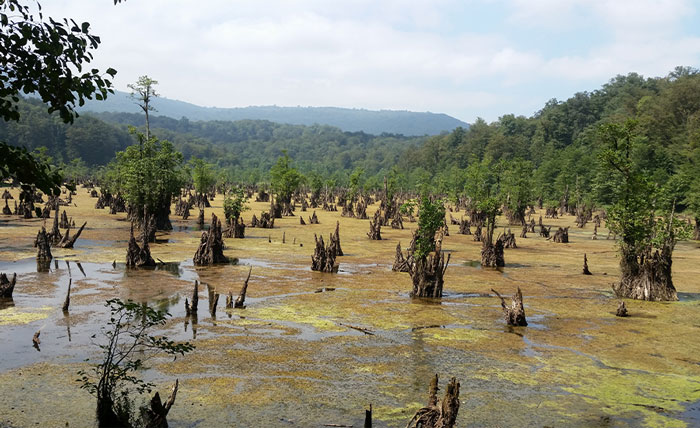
x=561 y=235
x=375 y=228
x=323 y=259
x=138 y=256
x=438 y=414
x=401 y=263
x=6 y=209
x=7 y=286
x=211 y=246
x=585 y=265
x=155 y=416
x=427 y=272
x=621 y=310
x=515 y=313
x=647 y=277
x=335 y=240
x=44 y=247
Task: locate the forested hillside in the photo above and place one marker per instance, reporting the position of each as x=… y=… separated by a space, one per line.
x=352 y=120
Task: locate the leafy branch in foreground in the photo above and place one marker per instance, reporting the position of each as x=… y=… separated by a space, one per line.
x=129 y=344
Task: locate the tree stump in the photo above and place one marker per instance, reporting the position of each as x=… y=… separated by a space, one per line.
x=523 y=233
x=155 y=416
x=313 y=219
x=647 y=277
x=335 y=240
x=585 y=265
x=138 y=256
x=561 y=235
x=7 y=286
x=211 y=246
x=436 y=414
x=44 y=247
x=323 y=259
x=508 y=239
x=6 y=209
x=401 y=263
x=200 y=218
x=621 y=310
x=427 y=272
x=464 y=226
x=301 y=221
x=477 y=233
x=544 y=231
x=55 y=235
x=375 y=228
x=64 y=223
x=515 y=313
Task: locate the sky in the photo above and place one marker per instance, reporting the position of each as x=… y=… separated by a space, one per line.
x=468 y=59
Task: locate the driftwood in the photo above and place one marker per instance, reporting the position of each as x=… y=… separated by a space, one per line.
x=68 y=241
x=621 y=310
x=375 y=228
x=515 y=313
x=138 y=256
x=155 y=416
x=561 y=235
x=438 y=414
x=7 y=286
x=323 y=259
x=585 y=265
x=211 y=246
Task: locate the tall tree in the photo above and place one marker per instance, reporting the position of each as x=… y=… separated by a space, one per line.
x=143 y=91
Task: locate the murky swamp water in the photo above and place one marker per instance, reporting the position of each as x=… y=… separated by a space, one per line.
x=291 y=359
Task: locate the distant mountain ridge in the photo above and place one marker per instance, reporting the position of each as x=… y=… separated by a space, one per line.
x=374 y=122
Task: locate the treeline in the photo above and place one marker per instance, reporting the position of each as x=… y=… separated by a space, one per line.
x=557 y=149
x=247 y=149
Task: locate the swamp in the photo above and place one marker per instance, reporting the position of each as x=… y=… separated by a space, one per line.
x=316 y=349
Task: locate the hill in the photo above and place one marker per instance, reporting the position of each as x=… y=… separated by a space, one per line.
x=350 y=120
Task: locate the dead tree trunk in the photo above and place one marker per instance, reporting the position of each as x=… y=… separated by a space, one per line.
x=200 y=219
x=335 y=240
x=55 y=235
x=6 y=209
x=508 y=239
x=400 y=263
x=621 y=309
x=156 y=415
x=436 y=414
x=427 y=273
x=491 y=253
x=585 y=265
x=240 y=301
x=138 y=256
x=64 y=223
x=211 y=246
x=515 y=313
x=464 y=227
x=375 y=228
x=561 y=235
x=7 y=286
x=68 y=241
x=647 y=277
x=324 y=256
x=43 y=255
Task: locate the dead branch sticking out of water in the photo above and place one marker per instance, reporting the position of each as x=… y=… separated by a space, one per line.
x=515 y=313
x=335 y=240
x=436 y=414
x=68 y=241
x=240 y=301
x=66 y=303
x=585 y=265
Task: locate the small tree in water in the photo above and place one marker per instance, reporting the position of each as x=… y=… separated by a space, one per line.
x=427 y=264
x=129 y=344
x=642 y=215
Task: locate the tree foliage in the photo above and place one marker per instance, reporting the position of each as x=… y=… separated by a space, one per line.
x=431 y=218
x=285 y=179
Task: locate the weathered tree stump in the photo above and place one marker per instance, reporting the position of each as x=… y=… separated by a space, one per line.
x=561 y=235
x=155 y=416
x=7 y=286
x=375 y=228
x=544 y=231
x=621 y=310
x=68 y=241
x=595 y=233
x=585 y=265
x=335 y=240
x=492 y=254
x=301 y=221
x=138 y=256
x=42 y=242
x=347 y=210
x=436 y=414
x=508 y=239
x=313 y=219
x=523 y=232
x=427 y=272
x=55 y=236
x=200 y=218
x=64 y=223
x=515 y=313
x=323 y=259
x=240 y=300
x=647 y=277
x=401 y=263
x=6 y=209
x=477 y=233
x=211 y=246
x=464 y=226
